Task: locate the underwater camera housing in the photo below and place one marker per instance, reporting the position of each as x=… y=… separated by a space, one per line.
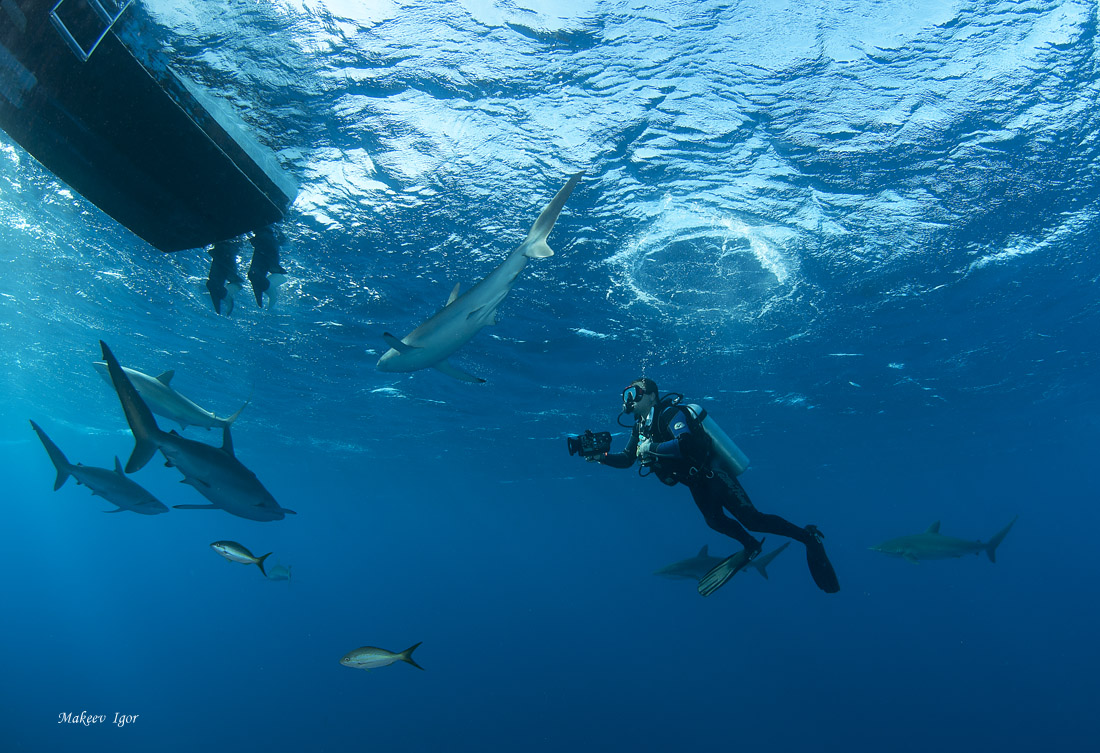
x=589 y=445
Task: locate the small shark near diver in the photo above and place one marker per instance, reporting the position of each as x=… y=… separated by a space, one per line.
x=932 y=545
x=694 y=568
x=430 y=344
x=113 y=486
x=158 y=394
x=369 y=657
x=214 y=472
x=279 y=572
x=235 y=552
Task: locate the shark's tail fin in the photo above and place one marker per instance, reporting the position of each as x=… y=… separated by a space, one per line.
x=761 y=563
x=991 y=547
x=535 y=246
x=138 y=415
x=60 y=462
x=407 y=656
x=230 y=419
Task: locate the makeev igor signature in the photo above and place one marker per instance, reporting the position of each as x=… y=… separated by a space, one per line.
x=89 y=719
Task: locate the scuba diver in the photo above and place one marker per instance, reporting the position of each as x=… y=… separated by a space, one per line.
x=681 y=444
x=265 y=273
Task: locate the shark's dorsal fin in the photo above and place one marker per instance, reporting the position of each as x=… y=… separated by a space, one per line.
x=703 y=552
x=118 y=467
x=396 y=344
x=166 y=377
x=227 y=442
x=454 y=294
x=934 y=528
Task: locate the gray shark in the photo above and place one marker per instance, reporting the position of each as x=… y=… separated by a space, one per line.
x=113 y=486
x=463 y=316
x=279 y=572
x=702 y=563
x=932 y=545
x=158 y=394
x=214 y=472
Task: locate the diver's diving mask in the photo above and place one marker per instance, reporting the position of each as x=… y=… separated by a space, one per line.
x=631 y=395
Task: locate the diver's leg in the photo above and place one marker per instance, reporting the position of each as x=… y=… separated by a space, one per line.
x=739 y=505
x=265 y=261
x=223 y=280
x=708 y=498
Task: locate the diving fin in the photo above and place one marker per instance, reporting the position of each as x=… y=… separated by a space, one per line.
x=820 y=568
x=726 y=569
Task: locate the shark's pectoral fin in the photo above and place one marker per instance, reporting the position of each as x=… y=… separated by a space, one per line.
x=454 y=295
x=910 y=558
x=195 y=482
x=116 y=510
x=196 y=507
x=396 y=344
x=484 y=314
x=450 y=370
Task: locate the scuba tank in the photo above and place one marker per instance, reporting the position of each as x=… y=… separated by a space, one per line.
x=726 y=454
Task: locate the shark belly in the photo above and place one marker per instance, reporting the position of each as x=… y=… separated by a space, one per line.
x=117 y=490
x=221 y=478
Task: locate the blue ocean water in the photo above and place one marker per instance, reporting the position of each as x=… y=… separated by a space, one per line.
x=862 y=234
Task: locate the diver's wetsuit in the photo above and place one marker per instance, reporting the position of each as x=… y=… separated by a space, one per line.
x=683 y=456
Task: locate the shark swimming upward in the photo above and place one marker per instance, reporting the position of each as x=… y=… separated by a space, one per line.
x=214 y=472
x=463 y=316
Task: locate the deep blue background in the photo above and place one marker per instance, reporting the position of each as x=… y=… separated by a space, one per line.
x=862 y=236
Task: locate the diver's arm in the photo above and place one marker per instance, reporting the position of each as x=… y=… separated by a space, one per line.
x=623 y=459
x=683 y=443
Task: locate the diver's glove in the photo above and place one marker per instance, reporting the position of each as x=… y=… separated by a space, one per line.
x=647 y=451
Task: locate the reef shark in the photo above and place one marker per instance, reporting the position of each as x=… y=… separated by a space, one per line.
x=463 y=316
x=162 y=399
x=694 y=568
x=112 y=485
x=214 y=472
x=932 y=545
